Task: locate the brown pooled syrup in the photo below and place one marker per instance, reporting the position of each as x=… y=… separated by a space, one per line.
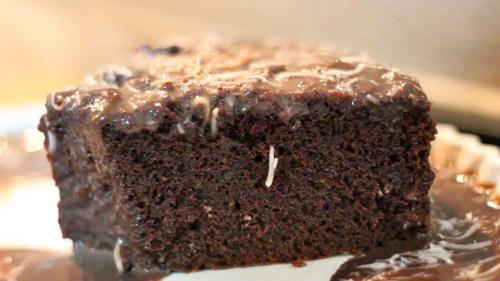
x=461 y=217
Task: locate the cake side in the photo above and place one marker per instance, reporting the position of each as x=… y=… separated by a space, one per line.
x=86 y=207
x=199 y=164
x=348 y=178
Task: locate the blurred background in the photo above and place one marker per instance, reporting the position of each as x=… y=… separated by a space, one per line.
x=451 y=46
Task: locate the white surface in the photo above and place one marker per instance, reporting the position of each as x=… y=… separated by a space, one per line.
x=489 y=171
x=314 y=270
x=496 y=193
x=471 y=155
x=14 y=119
x=28 y=215
x=466 y=154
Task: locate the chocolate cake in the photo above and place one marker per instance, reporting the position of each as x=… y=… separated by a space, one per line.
x=213 y=155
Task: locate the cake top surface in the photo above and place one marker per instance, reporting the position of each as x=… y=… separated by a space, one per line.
x=213 y=65
x=209 y=67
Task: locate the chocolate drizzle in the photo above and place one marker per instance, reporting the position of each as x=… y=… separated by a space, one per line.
x=464 y=245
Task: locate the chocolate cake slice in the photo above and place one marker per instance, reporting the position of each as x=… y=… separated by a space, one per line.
x=213 y=155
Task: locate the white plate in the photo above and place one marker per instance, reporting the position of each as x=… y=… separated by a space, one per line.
x=314 y=270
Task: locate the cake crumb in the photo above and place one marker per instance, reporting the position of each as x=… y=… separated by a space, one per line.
x=298 y=263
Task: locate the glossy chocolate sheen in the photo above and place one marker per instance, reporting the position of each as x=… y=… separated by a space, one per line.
x=131 y=95
x=217 y=155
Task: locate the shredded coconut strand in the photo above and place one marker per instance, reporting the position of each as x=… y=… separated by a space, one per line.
x=472 y=246
x=389 y=75
x=53 y=103
x=273 y=163
x=197 y=65
x=229 y=75
x=446 y=225
x=213 y=122
x=180 y=129
x=288 y=75
x=475 y=274
x=197 y=101
x=339 y=72
x=51 y=138
x=433 y=255
x=230 y=102
x=117 y=256
x=466 y=234
x=372 y=99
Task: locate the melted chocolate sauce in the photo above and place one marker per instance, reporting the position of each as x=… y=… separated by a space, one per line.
x=464 y=244
x=131 y=96
x=84 y=265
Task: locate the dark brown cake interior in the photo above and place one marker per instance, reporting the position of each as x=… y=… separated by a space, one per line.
x=181 y=195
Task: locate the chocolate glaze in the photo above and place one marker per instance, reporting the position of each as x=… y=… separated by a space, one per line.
x=464 y=245
x=132 y=95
